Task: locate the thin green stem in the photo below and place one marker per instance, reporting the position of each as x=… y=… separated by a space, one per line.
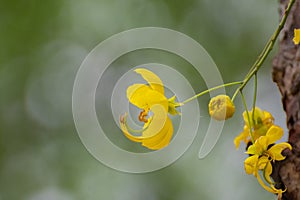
x=248 y=116
x=265 y=52
x=209 y=90
x=254 y=97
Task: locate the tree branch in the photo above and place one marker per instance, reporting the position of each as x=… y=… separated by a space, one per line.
x=286 y=73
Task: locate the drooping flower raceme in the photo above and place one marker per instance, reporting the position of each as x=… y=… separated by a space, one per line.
x=158 y=129
x=296 y=38
x=262 y=153
x=260 y=120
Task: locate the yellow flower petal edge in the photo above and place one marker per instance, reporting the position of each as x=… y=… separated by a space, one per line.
x=274 y=133
x=153 y=80
x=161 y=139
x=157 y=121
x=221 y=107
x=296 y=38
x=243 y=136
x=275 y=151
x=250 y=165
x=143 y=97
x=157 y=141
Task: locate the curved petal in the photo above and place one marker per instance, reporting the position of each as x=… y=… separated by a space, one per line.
x=260 y=131
x=269 y=189
x=262 y=162
x=268 y=118
x=261 y=144
x=250 y=165
x=274 y=133
x=251 y=150
x=153 y=80
x=275 y=151
x=166 y=140
x=162 y=138
x=157 y=132
x=149 y=142
x=267 y=172
x=158 y=121
x=144 y=97
x=243 y=136
x=128 y=135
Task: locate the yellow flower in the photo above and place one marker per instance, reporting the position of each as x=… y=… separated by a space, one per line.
x=262 y=155
x=296 y=38
x=260 y=123
x=221 y=107
x=158 y=129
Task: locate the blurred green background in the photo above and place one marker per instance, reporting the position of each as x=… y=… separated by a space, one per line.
x=42 y=46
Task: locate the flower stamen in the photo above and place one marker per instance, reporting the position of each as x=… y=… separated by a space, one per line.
x=142 y=116
x=123 y=121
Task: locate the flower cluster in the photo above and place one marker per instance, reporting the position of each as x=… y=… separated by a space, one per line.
x=261 y=133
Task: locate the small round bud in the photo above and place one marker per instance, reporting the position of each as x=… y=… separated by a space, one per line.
x=221 y=107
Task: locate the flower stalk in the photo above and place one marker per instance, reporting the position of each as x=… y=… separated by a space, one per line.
x=265 y=52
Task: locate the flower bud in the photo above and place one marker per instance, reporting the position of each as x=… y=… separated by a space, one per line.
x=221 y=107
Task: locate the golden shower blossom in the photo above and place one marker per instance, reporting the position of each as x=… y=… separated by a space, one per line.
x=158 y=129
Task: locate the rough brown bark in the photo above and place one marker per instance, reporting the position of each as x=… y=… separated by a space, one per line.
x=286 y=73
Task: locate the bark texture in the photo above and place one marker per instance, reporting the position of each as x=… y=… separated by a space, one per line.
x=286 y=73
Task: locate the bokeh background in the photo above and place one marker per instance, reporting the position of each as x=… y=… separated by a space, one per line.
x=42 y=46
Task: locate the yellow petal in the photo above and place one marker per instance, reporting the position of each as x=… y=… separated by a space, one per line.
x=275 y=151
x=268 y=119
x=267 y=172
x=242 y=136
x=128 y=135
x=162 y=138
x=136 y=93
x=269 y=189
x=158 y=141
x=252 y=150
x=265 y=165
x=260 y=131
x=144 y=97
x=258 y=115
x=274 y=133
x=158 y=121
x=261 y=144
x=262 y=162
x=153 y=80
x=163 y=141
x=250 y=165
x=296 y=38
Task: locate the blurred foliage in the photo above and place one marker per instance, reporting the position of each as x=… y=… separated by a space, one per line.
x=42 y=46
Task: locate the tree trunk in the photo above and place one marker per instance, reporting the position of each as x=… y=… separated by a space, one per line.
x=286 y=73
